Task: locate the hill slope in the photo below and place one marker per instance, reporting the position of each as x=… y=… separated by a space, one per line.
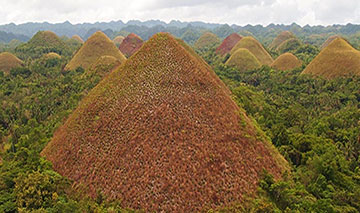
x=283 y=36
x=96 y=46
x=130 y=44
x=207 y=40
x=228 y=43
x=243 y=60
x=286 y=61
x=328 y=41
x=161 y=133
x=338 y=59
x=118 y=40
x=9 y=61
x=78 y=38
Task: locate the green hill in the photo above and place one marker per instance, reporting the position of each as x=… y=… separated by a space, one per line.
x=286 y=61
x=207 y=40
x=243 y=60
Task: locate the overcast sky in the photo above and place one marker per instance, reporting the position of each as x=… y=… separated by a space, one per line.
x=239 y=12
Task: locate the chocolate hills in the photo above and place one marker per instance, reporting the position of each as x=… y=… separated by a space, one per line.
x=338 y=59
x=283 y=36
x=9 y=61
x=96 y=46
x=118 y=40
x=289 y=45
x=161 y=133
x=328 y=41
x=78 y=38
x=243 y=60
x=207 y=40
x=130 y=44
x=228 y=43
x=103 y=65
x=255 y=48
x=286 y=61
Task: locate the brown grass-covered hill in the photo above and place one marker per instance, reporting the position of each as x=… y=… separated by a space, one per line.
x=96 y=46
x=228 y=43
x=161 y=133
x=41 y=43
x=207 y=40
x=243 y=60
x=289 y=45
x=283 y=36
x=103 y=66
x=118 y=40
x=328 y=41
x=78 y=38
x=131 y=44
x=338 y=59
x=286 y=61
x=255 y=48
x=9 y=61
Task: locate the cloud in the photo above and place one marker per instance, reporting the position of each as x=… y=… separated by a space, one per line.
x=240 y=12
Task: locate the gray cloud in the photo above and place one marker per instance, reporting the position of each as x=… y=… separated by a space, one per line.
x=227 y=11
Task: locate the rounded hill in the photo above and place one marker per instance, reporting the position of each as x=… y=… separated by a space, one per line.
x=96 y=46
x=161 y=133
x=255 y=48
x=286 y=61
x=118 y=40
x=328 y=41
x=131 y=44
x=78 y=38
x=9 y=61
x=283 y=36
x=243 y=60
x=228 y=43
x=103 y=66
x=207 y=40
x=338 y=59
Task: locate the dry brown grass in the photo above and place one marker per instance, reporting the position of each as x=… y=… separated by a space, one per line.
x=286 y=61
x=228 y=43
x=328 y=41
x=161 y=133
x=51 y=55
x=338 y=59
x=118 y=40
x=96 y=46
x=283 y=36
x=255 y=48
x=78 y=38
x=9 y=61
x=243 y=60
x=131 y=44
x=207 y=40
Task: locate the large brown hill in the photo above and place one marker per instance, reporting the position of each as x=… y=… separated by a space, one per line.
x=286 y=61
x=256 y=48
x=338 y=59
x=283 y=36
x=243 y=60
x=96 y=46
x=228 y=43
x=161 y=133
x=130 y=44
x=9 y=61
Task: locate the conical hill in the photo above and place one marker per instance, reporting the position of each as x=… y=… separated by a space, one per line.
x=338 y=59
x=207 y=40
x=161 y=133
x=228 y=43
x=283 y=36
x=131 y=44
x=243 y=60
x=328 y=41
x=78 y=38
x=118 y=40
x=286 y=61
x=255 y=48
x=9 y=61
x=96 y=46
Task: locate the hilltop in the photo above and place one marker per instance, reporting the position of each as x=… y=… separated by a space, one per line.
x=118 y=40
x=77 y=38
x=286 y=61
x=9 y=61
x=243 y=60
x=338 y=59
x=328 y=41
x=228 y=43
x=103 y=66
x=207 y=40
x=96 y=46
x=255 y=48
x=161 y=133
x=283 y=36
x=130 y=44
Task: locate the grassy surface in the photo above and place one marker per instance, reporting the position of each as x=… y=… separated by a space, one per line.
x=52 y=55
x=283 y=36
x=286 y=61
x=118 y=40
x=289 y=45
x=131 y=44
x=96 y=46
x=9 y=61
x=207 y=40
x=328 y=41
x=228 y=43
x=255 y=48
x=338 y=59
x=78 y=38
x=243 y=60
x=161 y=133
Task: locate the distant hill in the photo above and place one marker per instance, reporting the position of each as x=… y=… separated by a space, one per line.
x=161 y=133
x=282 y=37
x=96 y=46
x=9 y=61
x=286 y=61
x=228 y=43
x=207 y=40
x=338 y=59
x=130 y=44
x=7 y=37
x=243 y=60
